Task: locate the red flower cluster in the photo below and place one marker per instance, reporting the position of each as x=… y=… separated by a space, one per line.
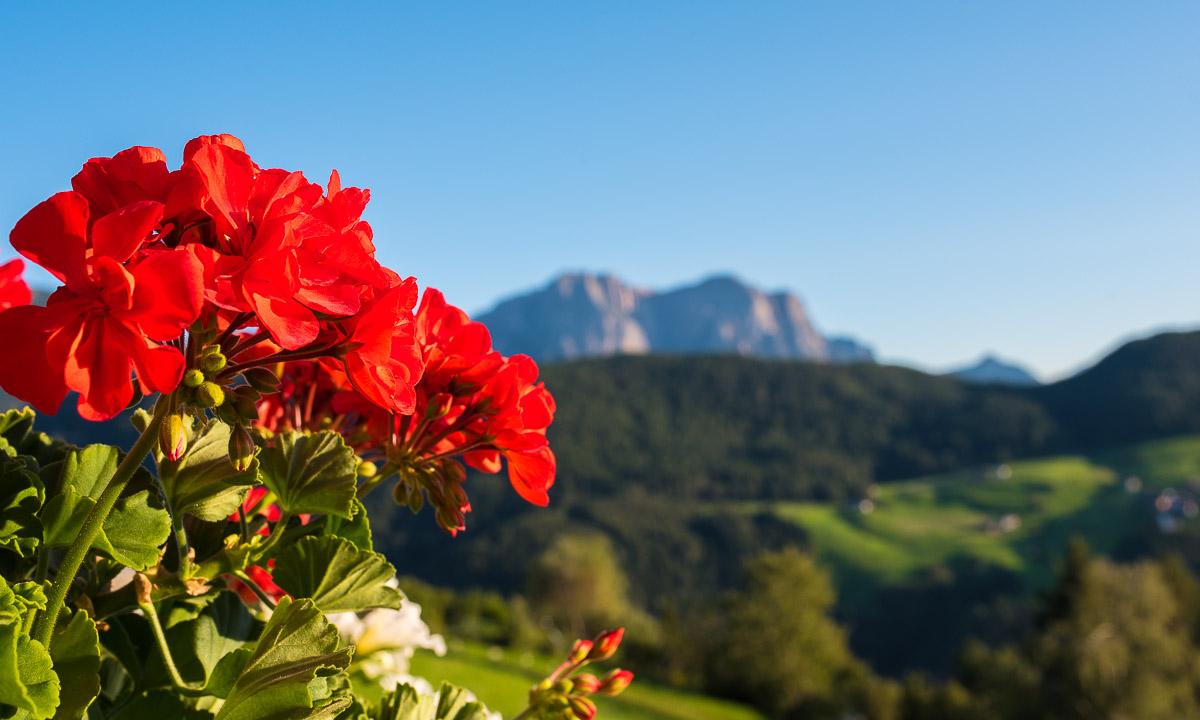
x=571 y=689
x=197 y=281
x=472 y=405
x=258 y=254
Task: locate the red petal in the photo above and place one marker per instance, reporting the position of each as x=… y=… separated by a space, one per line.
x=291 y=324
x=114 y=284
x=99 y=368
x=139 y=173
x=54 y=235
x=532 y=474
x=168 y=293
x=119 y=234
x=159 y=367
x=228 y=177
x=196 y=144
x=25 y=369
x=487 y=461
x=13 y=289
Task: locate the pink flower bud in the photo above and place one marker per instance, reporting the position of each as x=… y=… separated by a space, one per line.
x=586 y=683
x=607 y=644
x=616 y=681
x=579 y=651
x=583 y=708
x=241 y=449
x=172 y=437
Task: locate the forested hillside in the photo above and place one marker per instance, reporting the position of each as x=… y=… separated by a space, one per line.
x=732 y=427
x=690 y=465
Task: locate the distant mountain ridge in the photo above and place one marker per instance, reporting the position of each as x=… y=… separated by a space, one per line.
x=580 y=315
x=991 y=370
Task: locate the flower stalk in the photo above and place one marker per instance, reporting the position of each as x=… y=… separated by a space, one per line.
x=43 y=628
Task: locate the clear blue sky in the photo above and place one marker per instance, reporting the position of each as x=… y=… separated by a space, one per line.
x=939 y=179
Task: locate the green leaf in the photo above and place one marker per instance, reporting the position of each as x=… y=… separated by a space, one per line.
x=132 y=532
x=296 y=649
x=199 y=645
x=314 y=473
x=22 y=495
x=19 y=599
x=337 y=575
x=17 y=437
x=75 y=650
x=27 y=680
x=137 y=526
x=356 y=529
x=203 y=482
x=451 y=703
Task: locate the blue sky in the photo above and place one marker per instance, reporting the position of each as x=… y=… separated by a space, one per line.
x=939 y=179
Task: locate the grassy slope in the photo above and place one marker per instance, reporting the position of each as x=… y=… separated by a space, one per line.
x=502 y=681
x=920 y=523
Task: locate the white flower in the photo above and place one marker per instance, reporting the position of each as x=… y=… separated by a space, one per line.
x=385 y=641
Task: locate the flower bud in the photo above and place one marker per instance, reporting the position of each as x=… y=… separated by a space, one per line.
x=210 y=395
x=583 y=708
x=172 y=437
x=616 y=681
x=564 y=687
x=213 y=362
x=586 y=683
x=192 y=378
x=245 y=402
x=579 y=651
x=367 y=469
x=262 y=379
x=607 y=644
x=228 y=415
x=241 y=449
x=454 y=472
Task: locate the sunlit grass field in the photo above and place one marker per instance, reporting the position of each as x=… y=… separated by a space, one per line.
x=1020 y=517
x=501 y=679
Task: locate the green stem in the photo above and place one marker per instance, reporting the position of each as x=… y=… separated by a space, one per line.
x=161 y=638
x=373 y=482
x=275 y=536
x=92 y=525
x=43 y=566
x=254 y=587
x=181 y=542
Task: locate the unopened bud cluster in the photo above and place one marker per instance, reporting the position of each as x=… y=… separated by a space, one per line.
x=209 y=387
x=567 y=693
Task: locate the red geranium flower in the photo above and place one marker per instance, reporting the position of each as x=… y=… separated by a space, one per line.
x=499 y=409
x=382 y=359
x=471 y=404
x=253 y=216
x=116 y=306
x=110 y=183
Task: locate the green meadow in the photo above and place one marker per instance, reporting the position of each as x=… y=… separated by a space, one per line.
x=501 y=679
x=1019 y=516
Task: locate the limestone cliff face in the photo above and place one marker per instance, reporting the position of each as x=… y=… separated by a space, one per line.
x=583 y=315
